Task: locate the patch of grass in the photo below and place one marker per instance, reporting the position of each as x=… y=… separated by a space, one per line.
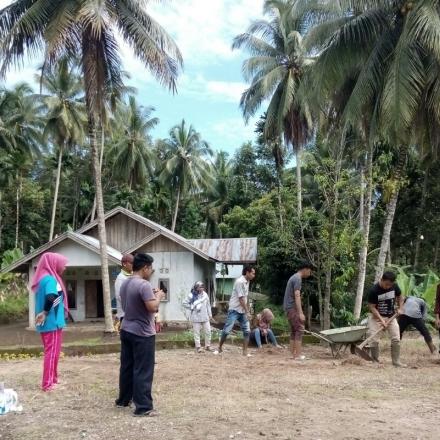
x=13 y=307
x=188 y=336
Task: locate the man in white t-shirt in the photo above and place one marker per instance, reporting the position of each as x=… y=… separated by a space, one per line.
x=126 y=271
x=239 y=309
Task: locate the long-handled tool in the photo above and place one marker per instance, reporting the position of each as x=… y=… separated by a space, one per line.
x=359 y=349
x=317 y=335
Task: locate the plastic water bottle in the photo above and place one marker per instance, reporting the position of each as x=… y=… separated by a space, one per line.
x=2 y=399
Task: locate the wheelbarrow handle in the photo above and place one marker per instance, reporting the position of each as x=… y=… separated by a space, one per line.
x=371 y=337
x=319 y=336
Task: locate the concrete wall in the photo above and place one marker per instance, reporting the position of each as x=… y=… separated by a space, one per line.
x=80 y=275
x=178 y=268
x=77 y=255
x=182 y=269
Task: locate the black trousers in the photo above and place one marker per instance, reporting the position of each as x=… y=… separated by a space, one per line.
x=418 y=323
x=137 y=371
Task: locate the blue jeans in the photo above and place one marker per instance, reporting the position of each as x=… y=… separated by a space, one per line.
x=233 y=316
x=256 y=333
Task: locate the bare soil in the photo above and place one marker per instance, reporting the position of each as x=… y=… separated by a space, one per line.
x=203 y=396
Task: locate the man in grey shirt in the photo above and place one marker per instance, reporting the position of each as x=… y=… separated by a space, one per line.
x=293 y=308
x=415 y=312
x=140 y=303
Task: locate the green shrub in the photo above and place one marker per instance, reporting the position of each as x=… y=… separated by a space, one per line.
x=14 y=303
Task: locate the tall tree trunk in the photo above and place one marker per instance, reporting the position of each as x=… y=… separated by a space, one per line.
x=55 y=196
x=280 y=202
x=17 y=207
x=101 y=160
x=362 y=199
x=298 y=179
x=94 y=87
x=420 y=223
x=101 y=231
x=176 y=209
x=330 y=253
x=391 y=210
x=365 y=231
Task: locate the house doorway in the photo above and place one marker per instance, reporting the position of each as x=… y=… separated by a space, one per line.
x=94 y=299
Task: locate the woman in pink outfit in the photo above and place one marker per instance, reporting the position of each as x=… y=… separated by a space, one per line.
x=51 y=308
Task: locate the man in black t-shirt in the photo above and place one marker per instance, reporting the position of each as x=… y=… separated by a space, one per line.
x=383 y=299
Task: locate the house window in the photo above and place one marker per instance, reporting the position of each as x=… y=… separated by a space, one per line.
x=164 y=284
x=71 y=293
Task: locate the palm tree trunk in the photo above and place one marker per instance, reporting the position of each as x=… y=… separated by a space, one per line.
x=419 y=228
x=365 y=209
x=55 y=196
x=176 y=209
x=280 y=202
x=298 y=179
x=101 y=160
x=17 y=200
x=391 y=210
x=94 y=88
x=362 y=199
x=101 y=231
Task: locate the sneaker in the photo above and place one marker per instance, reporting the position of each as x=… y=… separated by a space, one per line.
x=199 y=350
x=208 y=348
x=150 y=413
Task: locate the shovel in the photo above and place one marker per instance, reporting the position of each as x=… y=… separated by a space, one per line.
x=359 y=349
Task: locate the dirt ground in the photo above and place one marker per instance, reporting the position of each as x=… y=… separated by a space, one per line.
x=203 y=396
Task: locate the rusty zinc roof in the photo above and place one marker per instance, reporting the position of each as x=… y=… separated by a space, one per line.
x=229 y=250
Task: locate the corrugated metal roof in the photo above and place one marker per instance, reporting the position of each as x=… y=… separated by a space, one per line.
x=229 y=250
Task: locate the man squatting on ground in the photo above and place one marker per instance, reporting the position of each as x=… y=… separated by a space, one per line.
x=415 y=312
x=382 y=300
x=239 y=309
x=293 y=308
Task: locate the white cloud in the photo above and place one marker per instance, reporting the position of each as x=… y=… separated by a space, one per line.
x=197 y=86
x=204 y=29
x=233 y=131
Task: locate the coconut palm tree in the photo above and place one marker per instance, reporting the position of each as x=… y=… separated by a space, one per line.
x=279 y=153
x=218 y=195
x=275 y=70
x=390 y=50
x=66 y=115
x=89 y=28
x=185 y=168
x=131 y=151
x=24 y=124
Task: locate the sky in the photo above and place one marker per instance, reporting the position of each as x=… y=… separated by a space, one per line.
x=209 y=89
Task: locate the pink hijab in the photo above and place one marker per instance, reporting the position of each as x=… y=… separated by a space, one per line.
x=51 y=264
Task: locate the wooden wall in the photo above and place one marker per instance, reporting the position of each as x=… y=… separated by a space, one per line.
x=162 y=244
x=122 y=232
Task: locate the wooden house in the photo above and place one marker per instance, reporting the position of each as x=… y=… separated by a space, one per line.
x=178 y=262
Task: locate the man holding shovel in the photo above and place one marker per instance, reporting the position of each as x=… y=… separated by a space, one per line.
x=382 y=300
